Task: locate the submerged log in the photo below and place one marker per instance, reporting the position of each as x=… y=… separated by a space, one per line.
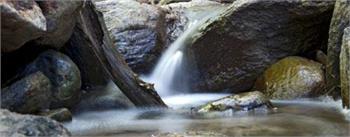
x=91 y=34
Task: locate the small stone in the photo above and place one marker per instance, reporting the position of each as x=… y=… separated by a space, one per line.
x=61 y=114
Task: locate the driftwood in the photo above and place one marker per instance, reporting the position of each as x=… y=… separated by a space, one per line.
x=91 y=36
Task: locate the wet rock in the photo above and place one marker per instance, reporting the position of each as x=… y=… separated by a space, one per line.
x=61 y=114
x=63 y=74
x=340 y=21
x=106 y=98
x=21 y=22
x=61 y=18
x=139 y=31
x=16 y=125
x=180 y=15
x=243 y=101
x=27 y=95
x=236 y=47
x=292 y=77
x=345 y=68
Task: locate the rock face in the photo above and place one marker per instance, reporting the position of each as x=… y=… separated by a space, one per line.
x=243 y=101
x=21 y=22
x=340 y=20
x=27 y=95
x=63 y=74
x=345 y=68
x=235 y=48
x=139 y=31
x=16 y=125
x=61 y=18
x=292 y=77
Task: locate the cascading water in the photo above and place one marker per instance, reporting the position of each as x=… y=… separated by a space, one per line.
x=170 y=65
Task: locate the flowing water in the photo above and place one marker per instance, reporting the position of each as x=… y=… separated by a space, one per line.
x=172 y=62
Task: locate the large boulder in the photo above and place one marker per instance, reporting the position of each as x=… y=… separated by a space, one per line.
x=139 y=31
x=236 y=47
x=63 y=74
x=340 y=20
x=243 y=101
x=60 y=21
x=345 y=68
x=28 y=95
x=16 y=125
x=292 y=77
x=21 y=22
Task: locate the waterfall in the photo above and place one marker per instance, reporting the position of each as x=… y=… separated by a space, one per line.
x=170 y=66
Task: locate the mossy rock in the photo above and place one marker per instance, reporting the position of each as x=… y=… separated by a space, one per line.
x=292 y=77
x=243 y=101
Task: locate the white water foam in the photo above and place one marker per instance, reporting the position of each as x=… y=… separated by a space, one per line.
x=170 y=65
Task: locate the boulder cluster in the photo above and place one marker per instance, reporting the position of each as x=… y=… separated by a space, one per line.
x=61 y=57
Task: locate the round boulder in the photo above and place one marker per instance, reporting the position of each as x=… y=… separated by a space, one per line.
x=63 y=74
x=292 y=77
x=27 y=95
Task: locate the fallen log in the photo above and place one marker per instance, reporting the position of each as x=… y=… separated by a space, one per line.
x=91 y=37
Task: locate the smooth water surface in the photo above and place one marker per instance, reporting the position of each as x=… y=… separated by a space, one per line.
x=291 y=118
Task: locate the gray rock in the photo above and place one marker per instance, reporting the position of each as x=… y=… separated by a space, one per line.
x=291 y=78
x=139 y=31
x=236 y=47
x=340 y=20
x=63 y=74
x=21 y=22
x=27 y=95
x=16 y=125
x=243 y=101
x=180 y=14
x=345 y=68
x=61 y=114
x=61 y=19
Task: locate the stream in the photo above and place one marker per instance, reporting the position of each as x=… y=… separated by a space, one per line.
x=304 y=117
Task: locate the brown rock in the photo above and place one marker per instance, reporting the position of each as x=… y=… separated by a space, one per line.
x=236 y=47
x=292 y=77
x=21 y=22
